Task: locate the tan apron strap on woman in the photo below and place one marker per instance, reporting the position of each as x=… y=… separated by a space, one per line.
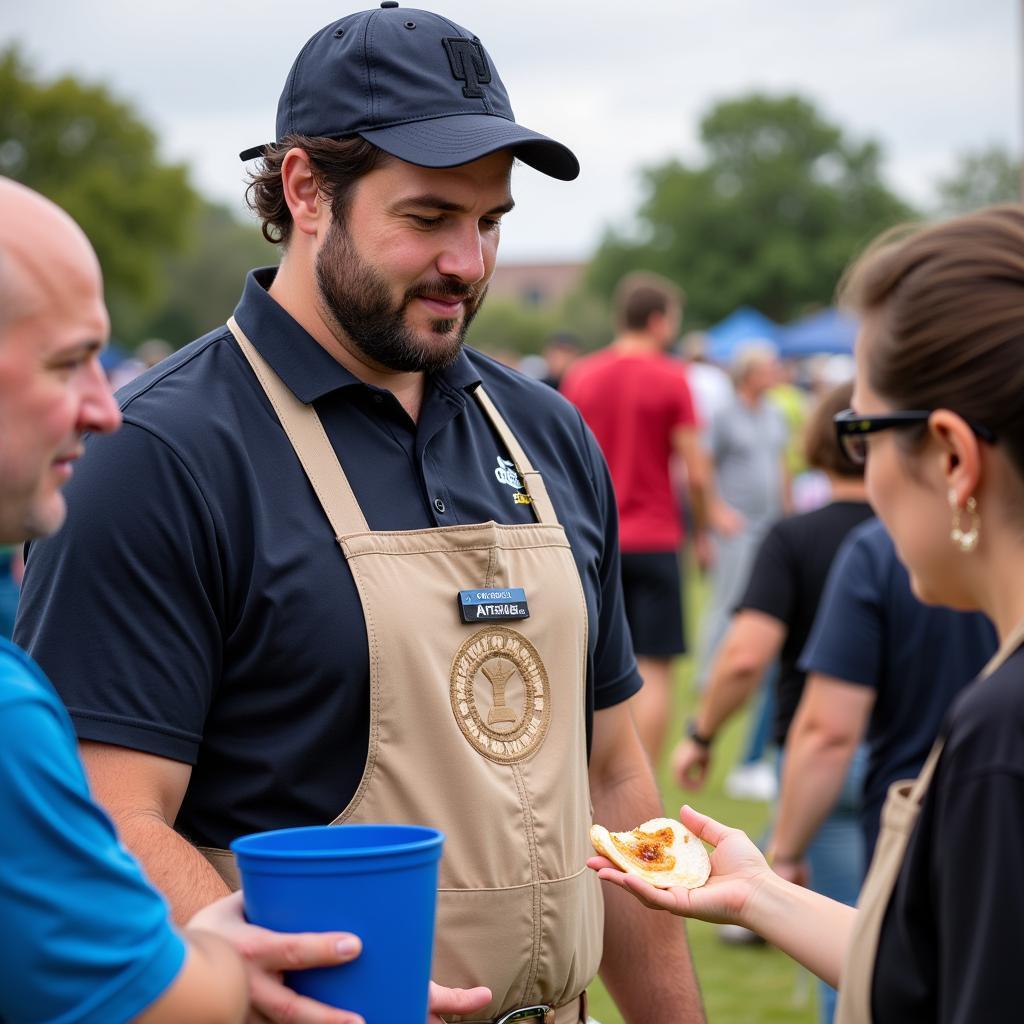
x=899 y=816
x=306 y=433
x=532 y=482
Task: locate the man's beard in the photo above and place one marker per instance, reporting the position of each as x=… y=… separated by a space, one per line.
x=357 y=298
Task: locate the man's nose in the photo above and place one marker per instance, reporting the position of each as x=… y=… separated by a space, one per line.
x=463 y=256
x=99 y=412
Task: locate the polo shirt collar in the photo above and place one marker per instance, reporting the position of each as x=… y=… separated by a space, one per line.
x=308 y=370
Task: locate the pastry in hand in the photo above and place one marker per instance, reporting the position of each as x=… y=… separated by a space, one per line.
x=660 y=851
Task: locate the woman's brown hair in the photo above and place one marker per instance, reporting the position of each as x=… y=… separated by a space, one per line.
x=946 y=304
x=337 y=165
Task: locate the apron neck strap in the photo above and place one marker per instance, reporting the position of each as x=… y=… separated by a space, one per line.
x=532 y=482
x=924 y=778
x=1014 y=639
x=314 y=450
x=310 y=441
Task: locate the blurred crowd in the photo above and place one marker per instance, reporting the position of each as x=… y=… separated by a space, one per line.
x=808 y=617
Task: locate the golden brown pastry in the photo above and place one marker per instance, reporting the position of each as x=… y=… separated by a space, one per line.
x=660 y=851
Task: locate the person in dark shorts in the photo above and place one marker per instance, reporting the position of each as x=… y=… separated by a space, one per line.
x=637 y=401
x=652 y=590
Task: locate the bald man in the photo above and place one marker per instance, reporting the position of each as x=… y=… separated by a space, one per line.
x=85 y=937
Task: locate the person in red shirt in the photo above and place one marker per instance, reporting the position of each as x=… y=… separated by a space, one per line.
x=636 y=400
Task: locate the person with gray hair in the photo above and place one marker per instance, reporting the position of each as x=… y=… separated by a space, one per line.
x=746 y=439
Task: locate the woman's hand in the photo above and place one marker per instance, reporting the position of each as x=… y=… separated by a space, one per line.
x=738 y=869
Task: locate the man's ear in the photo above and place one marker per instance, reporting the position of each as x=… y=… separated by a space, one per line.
x=959 y=453
x=301 y=191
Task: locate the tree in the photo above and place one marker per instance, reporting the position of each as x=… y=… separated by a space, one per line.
x=980 y=179
x=777 y=209
x=511 y=326
x=90 y=153
x=204 y=280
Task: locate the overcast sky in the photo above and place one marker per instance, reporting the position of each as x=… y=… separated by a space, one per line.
x=623 y=84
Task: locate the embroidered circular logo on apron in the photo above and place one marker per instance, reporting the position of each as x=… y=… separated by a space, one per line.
x=500 y=694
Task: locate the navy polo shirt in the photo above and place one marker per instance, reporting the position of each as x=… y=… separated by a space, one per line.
x=196 y=605
x=872 y=631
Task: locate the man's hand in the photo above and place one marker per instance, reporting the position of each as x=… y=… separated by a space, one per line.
x=725 y=520
x=455 y=1000
x=691 y=762
x=267 y=954
x=796 y=871
x=704 y=550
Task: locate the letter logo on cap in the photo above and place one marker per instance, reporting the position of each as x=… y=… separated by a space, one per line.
x=469 y=65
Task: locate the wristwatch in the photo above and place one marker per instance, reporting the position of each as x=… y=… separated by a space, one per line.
x=693 y=734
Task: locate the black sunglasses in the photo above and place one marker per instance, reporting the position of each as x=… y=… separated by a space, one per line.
x=852 y=429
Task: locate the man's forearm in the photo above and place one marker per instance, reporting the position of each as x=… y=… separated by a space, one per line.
x=728 y=690
x=646 y=964
x=185 y=877
x=699 y=476
x=812 y=779
x=701 y=496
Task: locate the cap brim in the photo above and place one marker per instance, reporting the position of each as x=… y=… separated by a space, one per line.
x=463 y=138
x=251 y=154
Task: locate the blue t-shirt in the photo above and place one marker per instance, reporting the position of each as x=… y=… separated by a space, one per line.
x=84 y=937
x=871 y=631
x=196 y=605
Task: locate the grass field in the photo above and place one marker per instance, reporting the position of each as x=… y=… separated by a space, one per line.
x=740 y=985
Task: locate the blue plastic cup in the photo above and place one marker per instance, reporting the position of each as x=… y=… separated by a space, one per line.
x=378 y=882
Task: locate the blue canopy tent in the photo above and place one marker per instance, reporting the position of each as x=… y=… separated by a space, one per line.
x=112 y=356
x=742 y=325
x=827 y=332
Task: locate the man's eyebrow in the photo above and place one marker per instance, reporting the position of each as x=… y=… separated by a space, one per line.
x=89 y=347
x=431 y=201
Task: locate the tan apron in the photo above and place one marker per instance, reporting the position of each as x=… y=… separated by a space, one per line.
x=477 y=730
x=899 y=815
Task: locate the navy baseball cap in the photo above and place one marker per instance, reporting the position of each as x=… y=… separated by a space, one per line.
x=414 y=84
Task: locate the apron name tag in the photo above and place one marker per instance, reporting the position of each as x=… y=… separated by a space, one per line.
x=493 y=605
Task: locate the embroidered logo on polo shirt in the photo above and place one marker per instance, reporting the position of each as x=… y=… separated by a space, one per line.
x=500 y=694
x=506 y=474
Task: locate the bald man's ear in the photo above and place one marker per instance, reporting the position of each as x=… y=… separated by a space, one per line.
x=301 y=192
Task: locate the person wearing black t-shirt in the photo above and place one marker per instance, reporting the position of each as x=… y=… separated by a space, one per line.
x=936 y=416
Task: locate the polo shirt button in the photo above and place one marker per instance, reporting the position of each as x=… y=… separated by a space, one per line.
x=439 y=505
x=378 y=399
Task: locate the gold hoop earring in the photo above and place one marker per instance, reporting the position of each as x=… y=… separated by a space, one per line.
x=965 y=540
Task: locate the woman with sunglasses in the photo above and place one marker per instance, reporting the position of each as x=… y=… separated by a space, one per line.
x=939 y=420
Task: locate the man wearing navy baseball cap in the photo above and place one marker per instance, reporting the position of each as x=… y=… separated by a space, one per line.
x=362 y=572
